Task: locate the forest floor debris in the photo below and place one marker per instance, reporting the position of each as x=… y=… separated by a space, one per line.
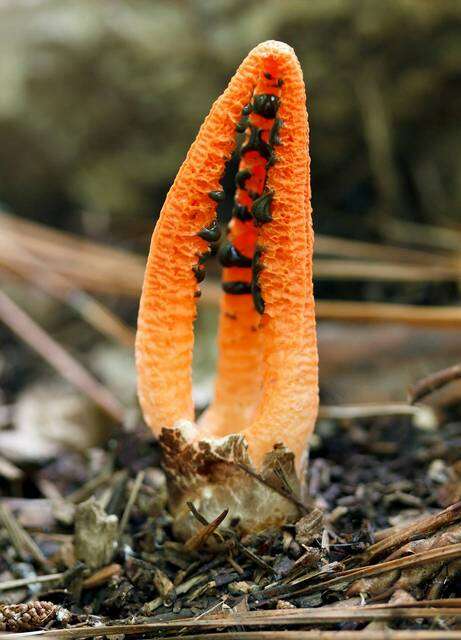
x=378 y=543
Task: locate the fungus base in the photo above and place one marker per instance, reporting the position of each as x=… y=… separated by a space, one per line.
x=217 y=474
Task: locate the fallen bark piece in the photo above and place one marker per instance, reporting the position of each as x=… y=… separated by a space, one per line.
x=266 y=396
x=52 y=417
x=309 y=527
x=96 y=534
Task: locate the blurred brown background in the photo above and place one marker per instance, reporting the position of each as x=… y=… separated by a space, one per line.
x=101 y=100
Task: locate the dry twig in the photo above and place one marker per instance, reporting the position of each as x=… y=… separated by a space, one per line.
x=433 y=382
x=33 y=335
x=9 y=585
x=325 y=269
x=35 y=271
x=289 y=495
x=131 y=500
x=19 y=537
x=356 y=411
x=200 y=538
x=442 y=317
x=419 y=529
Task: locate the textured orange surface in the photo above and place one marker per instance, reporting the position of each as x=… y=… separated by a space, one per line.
x=239 y=375
x=267 y=373
x=288 y=407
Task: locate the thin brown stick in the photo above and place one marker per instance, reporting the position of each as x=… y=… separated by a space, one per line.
x=325 y=269
x=433 y=382
x=66 y=246
x=32 y=334
x=86 y=264
x=100 y=317
x=9 y=585
x=440 y=554
x=380 y=534
x=379 y=312
x=20 y=539
x=341 y=607
x=325 y=635
x=285 y=494
x=419 y=529
x=200 y=538
x=347 y=248
x=101 y=576
x=375 y=634
x=221 y=537
x=203 y=521
x=422 y=235
x=354 y=411
x=131 y=500
x=88 y=489
x=35 y=271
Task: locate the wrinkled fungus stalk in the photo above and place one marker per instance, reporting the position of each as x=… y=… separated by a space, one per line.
x=266 y=395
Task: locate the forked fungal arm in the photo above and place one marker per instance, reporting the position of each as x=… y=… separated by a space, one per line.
x=266 y=387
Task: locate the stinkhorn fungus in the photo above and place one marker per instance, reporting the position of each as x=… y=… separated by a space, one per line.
x=252 y=441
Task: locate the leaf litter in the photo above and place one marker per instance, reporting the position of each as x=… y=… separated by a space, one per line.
x=376 y=543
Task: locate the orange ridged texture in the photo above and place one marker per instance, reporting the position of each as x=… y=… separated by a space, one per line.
x=266 y=384
x=289 y=404
x=239 y=376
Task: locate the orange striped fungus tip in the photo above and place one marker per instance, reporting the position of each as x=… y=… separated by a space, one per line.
x=246 y=452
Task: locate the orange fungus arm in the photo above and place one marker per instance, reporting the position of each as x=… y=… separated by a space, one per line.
x=288 y=406
x=239 y=376
x=164 y=340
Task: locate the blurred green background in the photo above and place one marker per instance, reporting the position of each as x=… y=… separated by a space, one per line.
x=100 y=101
